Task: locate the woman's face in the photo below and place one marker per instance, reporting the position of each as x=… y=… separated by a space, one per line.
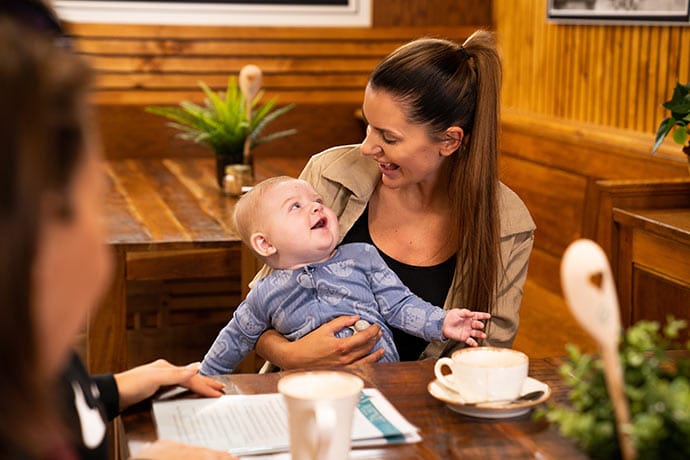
x=405 y=153
x=73 y=264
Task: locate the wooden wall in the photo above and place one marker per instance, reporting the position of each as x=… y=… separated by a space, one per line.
x=555 y=166
x=609 y=75
x=322 y=70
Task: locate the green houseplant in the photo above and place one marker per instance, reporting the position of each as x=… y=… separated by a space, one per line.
x=679 y=106
x=657 y=386
x=231 y=122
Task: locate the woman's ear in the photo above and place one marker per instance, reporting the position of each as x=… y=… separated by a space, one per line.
x=261 y=245
x=452 y=140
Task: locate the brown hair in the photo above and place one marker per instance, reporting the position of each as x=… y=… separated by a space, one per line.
x=443 y=84
x=42 y=99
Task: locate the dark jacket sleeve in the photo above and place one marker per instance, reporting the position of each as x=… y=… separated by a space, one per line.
x=110 y=397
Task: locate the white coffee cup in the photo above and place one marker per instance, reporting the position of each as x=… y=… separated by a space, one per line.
x=484 y=373
x=320 y=408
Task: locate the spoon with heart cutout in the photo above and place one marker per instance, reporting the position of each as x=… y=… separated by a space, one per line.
x=590 y=291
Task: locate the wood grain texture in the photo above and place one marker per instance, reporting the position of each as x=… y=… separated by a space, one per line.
x=547 y=325
x=652 y=252
x=612 y=75
x=606 y=195
x=553 y=165
x=444 y=432
x=140 y=64
x=386 y=13
x=129 y=132
x=167 y=220
x=173 y=203
x=106 y=341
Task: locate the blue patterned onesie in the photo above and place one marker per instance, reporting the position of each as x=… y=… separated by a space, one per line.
x=355 y=281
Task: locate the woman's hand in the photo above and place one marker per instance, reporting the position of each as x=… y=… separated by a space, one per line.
x=169 y=450
x=141 y=382
x=321 y=347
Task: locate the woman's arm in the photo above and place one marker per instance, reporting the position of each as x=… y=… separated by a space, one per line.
x=321 y=347
x=141 y=382
x=505 y=317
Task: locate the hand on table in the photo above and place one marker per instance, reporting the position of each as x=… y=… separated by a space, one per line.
x=142 y=382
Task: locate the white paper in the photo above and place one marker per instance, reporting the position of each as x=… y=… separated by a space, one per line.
x=255 y=424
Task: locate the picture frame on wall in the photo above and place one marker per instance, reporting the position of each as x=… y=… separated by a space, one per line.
x=290 y=13
x=644 y=12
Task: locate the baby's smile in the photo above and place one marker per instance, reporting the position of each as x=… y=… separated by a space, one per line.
x=320 y=223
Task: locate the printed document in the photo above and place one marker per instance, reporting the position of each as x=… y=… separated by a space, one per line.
x=256 y=424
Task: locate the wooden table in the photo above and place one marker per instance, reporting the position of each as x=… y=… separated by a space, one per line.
x=157 y=205
x=652 y=253
x=153 y=205
x=445 y=433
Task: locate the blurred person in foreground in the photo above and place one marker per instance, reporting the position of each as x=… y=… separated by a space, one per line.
x=55 y=266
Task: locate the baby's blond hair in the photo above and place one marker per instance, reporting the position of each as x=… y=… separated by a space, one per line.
x=248 y=215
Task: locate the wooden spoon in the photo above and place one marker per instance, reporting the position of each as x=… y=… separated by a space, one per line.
x=250 y=84
x=591 y=295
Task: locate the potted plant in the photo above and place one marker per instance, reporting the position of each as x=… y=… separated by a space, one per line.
x=230 y=122
x=679 y=105
x=656 y=384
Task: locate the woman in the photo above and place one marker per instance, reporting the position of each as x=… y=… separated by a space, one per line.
x=423 y=188
x=54 y=266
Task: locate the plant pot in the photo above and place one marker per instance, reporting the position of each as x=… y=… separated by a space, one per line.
x=222 y=162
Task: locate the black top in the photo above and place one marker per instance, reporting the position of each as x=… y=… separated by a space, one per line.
x=99 y=401
x=430 y=283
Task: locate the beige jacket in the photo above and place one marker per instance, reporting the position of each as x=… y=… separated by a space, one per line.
x=345 y=180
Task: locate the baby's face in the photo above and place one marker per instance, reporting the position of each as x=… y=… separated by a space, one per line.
x=299 y=226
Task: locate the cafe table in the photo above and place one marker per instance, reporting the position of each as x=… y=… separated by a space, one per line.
x=445 y=434
x=154 y=205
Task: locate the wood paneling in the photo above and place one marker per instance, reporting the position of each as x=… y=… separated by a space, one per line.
x=322 y=70
x=146 y=64
x=127 y=131
x=606 y=195
x=554 y=166
x=452 y=13
x=652 y=251
x=611 y=75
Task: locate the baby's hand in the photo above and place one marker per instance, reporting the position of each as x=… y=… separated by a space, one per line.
x=463 y=325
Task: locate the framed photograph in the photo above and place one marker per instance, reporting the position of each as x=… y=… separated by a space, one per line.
x=297 y=13
x=651 y=12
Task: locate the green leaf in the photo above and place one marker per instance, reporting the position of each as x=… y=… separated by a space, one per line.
x=222 y=121
x=656 y=386
x=680 y=101
x=664 y=128
x=680 y=134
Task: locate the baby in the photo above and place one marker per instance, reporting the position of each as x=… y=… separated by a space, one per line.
x=286 y=224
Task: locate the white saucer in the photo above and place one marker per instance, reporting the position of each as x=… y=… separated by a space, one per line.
x=491 y=410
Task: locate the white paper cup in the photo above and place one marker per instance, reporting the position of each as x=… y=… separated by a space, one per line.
x=320 y=408
x=484 y=373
